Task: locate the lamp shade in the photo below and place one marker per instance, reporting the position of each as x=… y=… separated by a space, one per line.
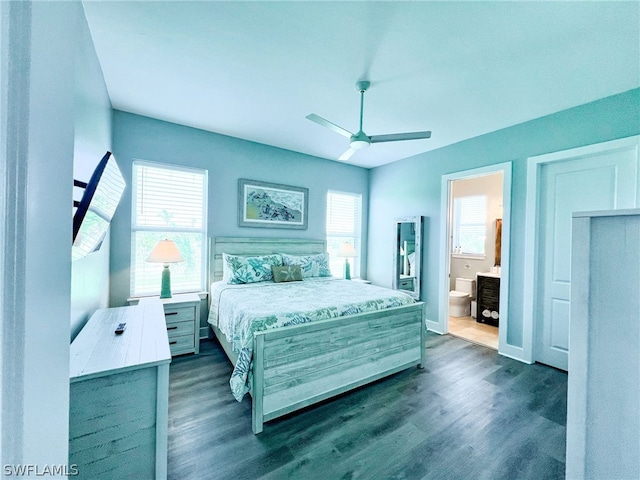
x=165 y=251
x=347 y=250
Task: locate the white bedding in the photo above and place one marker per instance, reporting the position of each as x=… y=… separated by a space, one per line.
x=240 y=310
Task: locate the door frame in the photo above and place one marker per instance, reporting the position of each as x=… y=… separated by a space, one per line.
x=442 y=325
x=4 y=137
x=534 y=166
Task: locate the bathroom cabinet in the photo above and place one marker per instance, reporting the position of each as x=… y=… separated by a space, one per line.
x=488 y=298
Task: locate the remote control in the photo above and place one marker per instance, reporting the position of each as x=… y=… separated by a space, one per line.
x=121 y=328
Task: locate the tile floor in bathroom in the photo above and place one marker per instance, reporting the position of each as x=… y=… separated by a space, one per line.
x=468 y=329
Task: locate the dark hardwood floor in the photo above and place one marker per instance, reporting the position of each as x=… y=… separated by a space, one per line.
x=469 y=414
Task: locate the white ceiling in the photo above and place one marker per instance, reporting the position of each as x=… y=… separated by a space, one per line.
x=254 y=70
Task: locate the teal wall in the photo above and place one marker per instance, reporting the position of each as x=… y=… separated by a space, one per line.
x=412 y=187
x=227 y=159
x=92 y=138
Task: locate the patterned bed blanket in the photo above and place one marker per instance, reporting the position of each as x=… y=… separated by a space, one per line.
x=240 y=310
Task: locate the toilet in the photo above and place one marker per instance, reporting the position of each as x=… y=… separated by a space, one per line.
x=460 y=298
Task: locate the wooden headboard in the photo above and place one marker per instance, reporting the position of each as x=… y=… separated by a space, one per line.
x=250 y=246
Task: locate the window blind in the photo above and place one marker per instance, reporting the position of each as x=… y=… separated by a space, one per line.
x=470 y=224
x=168 y=202
x=344 y=214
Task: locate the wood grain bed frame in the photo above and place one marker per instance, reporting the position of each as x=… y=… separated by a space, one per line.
x=299 y=365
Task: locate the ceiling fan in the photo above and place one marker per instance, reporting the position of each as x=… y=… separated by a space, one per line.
x=361 y=140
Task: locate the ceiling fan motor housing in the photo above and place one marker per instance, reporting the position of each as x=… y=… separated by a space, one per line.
x=363 y=85
x=359 y=140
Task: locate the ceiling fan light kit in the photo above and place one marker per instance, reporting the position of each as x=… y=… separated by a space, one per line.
x=360 y=140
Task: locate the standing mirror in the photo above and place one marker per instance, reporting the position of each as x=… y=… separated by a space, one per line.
x=407 y=254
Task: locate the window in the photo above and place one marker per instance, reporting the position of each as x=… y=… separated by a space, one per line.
x=344 y=212
x=469 y=224
x=168 y=202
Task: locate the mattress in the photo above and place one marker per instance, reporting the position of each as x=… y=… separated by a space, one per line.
x=240 y=310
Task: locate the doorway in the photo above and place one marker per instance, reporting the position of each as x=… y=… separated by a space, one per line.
x=467 y=249
x=602 y=176
x=475 y=227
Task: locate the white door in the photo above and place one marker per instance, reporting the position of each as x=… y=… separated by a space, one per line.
x=603 y=181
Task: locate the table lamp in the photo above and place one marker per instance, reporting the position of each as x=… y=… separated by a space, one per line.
x=347 y=251
x=166 y=252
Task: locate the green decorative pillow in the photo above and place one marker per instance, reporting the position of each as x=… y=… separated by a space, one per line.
x=288 y=273
x=238 y=269
x=311 y=265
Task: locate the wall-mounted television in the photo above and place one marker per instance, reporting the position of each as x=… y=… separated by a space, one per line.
x=99 y=202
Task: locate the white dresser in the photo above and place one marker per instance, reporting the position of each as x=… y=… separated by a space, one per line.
x=119 y=395
x=603 y=400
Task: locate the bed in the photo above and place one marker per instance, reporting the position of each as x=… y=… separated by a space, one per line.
x=299 y=364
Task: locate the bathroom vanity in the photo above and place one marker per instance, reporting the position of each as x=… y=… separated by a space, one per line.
x=488 y=298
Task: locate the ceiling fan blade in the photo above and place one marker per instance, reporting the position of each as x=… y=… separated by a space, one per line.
x=394 y=137
x=331 y=126
x=347 y=154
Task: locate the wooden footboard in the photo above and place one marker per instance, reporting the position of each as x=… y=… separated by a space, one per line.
x=296 y=366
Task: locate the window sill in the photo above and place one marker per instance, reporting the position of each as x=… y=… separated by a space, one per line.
x=468 y=256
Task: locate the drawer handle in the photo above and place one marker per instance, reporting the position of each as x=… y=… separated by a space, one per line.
x=170 y=313
x=172 y=343
x=172 y=328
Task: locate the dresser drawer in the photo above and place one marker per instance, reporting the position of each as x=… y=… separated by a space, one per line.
x=406 y=284
x=181 y=344
x=179 y=314
x=175 y=329
x=182 y=319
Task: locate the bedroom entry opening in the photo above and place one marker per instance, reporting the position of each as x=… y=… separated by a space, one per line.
x=475 y=211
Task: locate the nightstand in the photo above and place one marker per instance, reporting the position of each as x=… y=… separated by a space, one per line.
x=405 y=282
x=182 y=316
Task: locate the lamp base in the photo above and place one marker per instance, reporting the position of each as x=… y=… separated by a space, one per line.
x=165 y=289
x=347 y=269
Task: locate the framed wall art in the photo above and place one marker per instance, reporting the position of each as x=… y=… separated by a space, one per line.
x=269 y=205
